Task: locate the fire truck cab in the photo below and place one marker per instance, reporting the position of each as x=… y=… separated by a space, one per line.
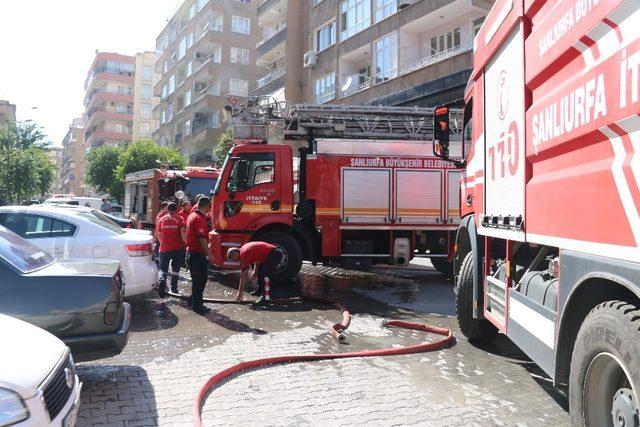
x=350 y=197
x=548 y=248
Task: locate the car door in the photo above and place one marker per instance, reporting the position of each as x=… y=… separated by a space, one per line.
x=53 y=235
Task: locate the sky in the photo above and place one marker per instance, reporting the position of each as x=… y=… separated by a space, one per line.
x=47 y=47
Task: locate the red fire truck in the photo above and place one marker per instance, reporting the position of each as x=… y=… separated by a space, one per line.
x=349 y=184
x=548 y=249
x=146 y=190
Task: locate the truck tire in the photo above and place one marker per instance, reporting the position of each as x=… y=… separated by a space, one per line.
x=442 y=266
x=292 y=252
x=473 y=329
x=604 y=381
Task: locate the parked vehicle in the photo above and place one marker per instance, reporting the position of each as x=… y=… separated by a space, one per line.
x=363 y=195
x=83 y=232
x=38 y=381
x=78 y=300
x=91 y=202
x=548 y=250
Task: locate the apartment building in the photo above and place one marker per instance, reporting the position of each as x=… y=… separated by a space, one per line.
x=283 y=36
x=72 y=167
x=108 y=101
x=7 y=112
x=206 y=51
x=55 y=156
x=391 y=52
x=143 y=101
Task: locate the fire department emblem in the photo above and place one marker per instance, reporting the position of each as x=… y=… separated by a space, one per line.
x=503 y=95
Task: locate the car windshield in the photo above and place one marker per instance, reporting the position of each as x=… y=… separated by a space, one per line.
x=200 y=186
x=21 y=254
x=102 y=220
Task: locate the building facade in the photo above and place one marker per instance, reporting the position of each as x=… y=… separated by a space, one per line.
x=391 y=52
x=7 y=112
x=108 y=101
x=206 y=51
x=283 y=33
x=72 y=167
x=55 y=156
x=143 y=100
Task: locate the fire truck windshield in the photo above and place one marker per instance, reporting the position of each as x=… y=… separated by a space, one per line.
x=224 y=168
x=199 y=186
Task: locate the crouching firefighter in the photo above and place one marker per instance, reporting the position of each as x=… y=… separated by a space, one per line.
x=171 y=235
x=265 y=258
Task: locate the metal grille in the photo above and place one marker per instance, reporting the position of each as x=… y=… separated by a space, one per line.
x=55 y=390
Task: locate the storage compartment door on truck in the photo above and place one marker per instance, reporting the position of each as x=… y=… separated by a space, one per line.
x=366 y=196
x=418 y=196
x=504 y=209
x=253 y=187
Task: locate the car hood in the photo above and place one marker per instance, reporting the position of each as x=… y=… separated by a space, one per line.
x=79 y=267
x=28 y=357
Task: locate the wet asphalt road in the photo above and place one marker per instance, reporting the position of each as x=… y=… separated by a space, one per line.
x=172 y=352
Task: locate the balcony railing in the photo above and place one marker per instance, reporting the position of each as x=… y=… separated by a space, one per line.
x=270 y=32
x=127 y=92
x=198 y=127
x=270 y=77
x=325 y=96
x=366 y=84
x=432 y=59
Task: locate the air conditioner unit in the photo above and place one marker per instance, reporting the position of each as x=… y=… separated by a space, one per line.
x=309 y=59
x=405 y=3
x=198 y=87
x=200 y=56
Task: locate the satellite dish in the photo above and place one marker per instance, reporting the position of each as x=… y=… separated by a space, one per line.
x=347 y=84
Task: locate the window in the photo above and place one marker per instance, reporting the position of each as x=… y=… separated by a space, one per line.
x=192 y=10
x=324 y=88
x=163 y=116
x=187 y=127
x=164 y=92
x=386 y=58
x=201 y=4
x=172 y=84
x=250 y=170
x=355 y=16
x=146 y=91
x=385 y=8
x=239 y=55
x=145 y=131
x=119 y=128
x=477 y=24
x=102 y=220
x=182 y=48
x=214 y=88
x=244 y=1
x=189 y=40
x=326 y=36
x=36 y=226
x=187 y=98
x=147 y=72
x=240 y=24
x=443 y=42
x=21 y=254
x=145 y=110
x=238 y=87
x=189 y=68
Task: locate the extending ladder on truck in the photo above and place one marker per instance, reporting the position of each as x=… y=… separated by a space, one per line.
x=260 y=118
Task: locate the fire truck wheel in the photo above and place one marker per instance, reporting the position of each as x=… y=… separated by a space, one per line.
x=473 y=329
x=442 y=265
x=604 y=381
x=292 y=254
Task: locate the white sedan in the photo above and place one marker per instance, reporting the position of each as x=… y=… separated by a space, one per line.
x=86 y=233
x=38 y=381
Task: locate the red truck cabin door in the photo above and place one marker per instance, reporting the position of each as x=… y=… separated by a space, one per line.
x=503 y=215
x=255 y=187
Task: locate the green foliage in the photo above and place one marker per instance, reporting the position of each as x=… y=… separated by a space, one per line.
x=25 y=169
x=107 y=166
x=101 y=167
x=225 y=142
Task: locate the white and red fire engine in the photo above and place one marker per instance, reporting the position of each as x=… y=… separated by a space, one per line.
x=548 y=249
x=146 y=190
x=349 y=184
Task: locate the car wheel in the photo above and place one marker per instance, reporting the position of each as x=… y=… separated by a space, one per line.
x=292 y=255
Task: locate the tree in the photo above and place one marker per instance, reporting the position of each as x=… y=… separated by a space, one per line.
x=146 y=154
x=45 y=170
x=22 y=136
x=100 y=172
x=225 y=142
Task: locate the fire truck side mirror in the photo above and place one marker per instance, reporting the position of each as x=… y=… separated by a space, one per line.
x=441 y=132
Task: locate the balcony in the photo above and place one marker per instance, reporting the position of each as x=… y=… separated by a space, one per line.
x=101 y=136
x=274 y=39
x=198 y=126
x=270 y=77
x=271 y=6
x=435 y=58
x=325 y=96
x=359 y=83
x=105 y=94
x=98 y=116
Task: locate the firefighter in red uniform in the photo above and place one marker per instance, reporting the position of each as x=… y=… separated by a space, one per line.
x=195 y=204
x=185 y=210
x=265 y=257
x=156 y=243
x=198 y=253
x=172 y=236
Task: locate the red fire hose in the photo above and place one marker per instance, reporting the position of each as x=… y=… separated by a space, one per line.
x=337 y=331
